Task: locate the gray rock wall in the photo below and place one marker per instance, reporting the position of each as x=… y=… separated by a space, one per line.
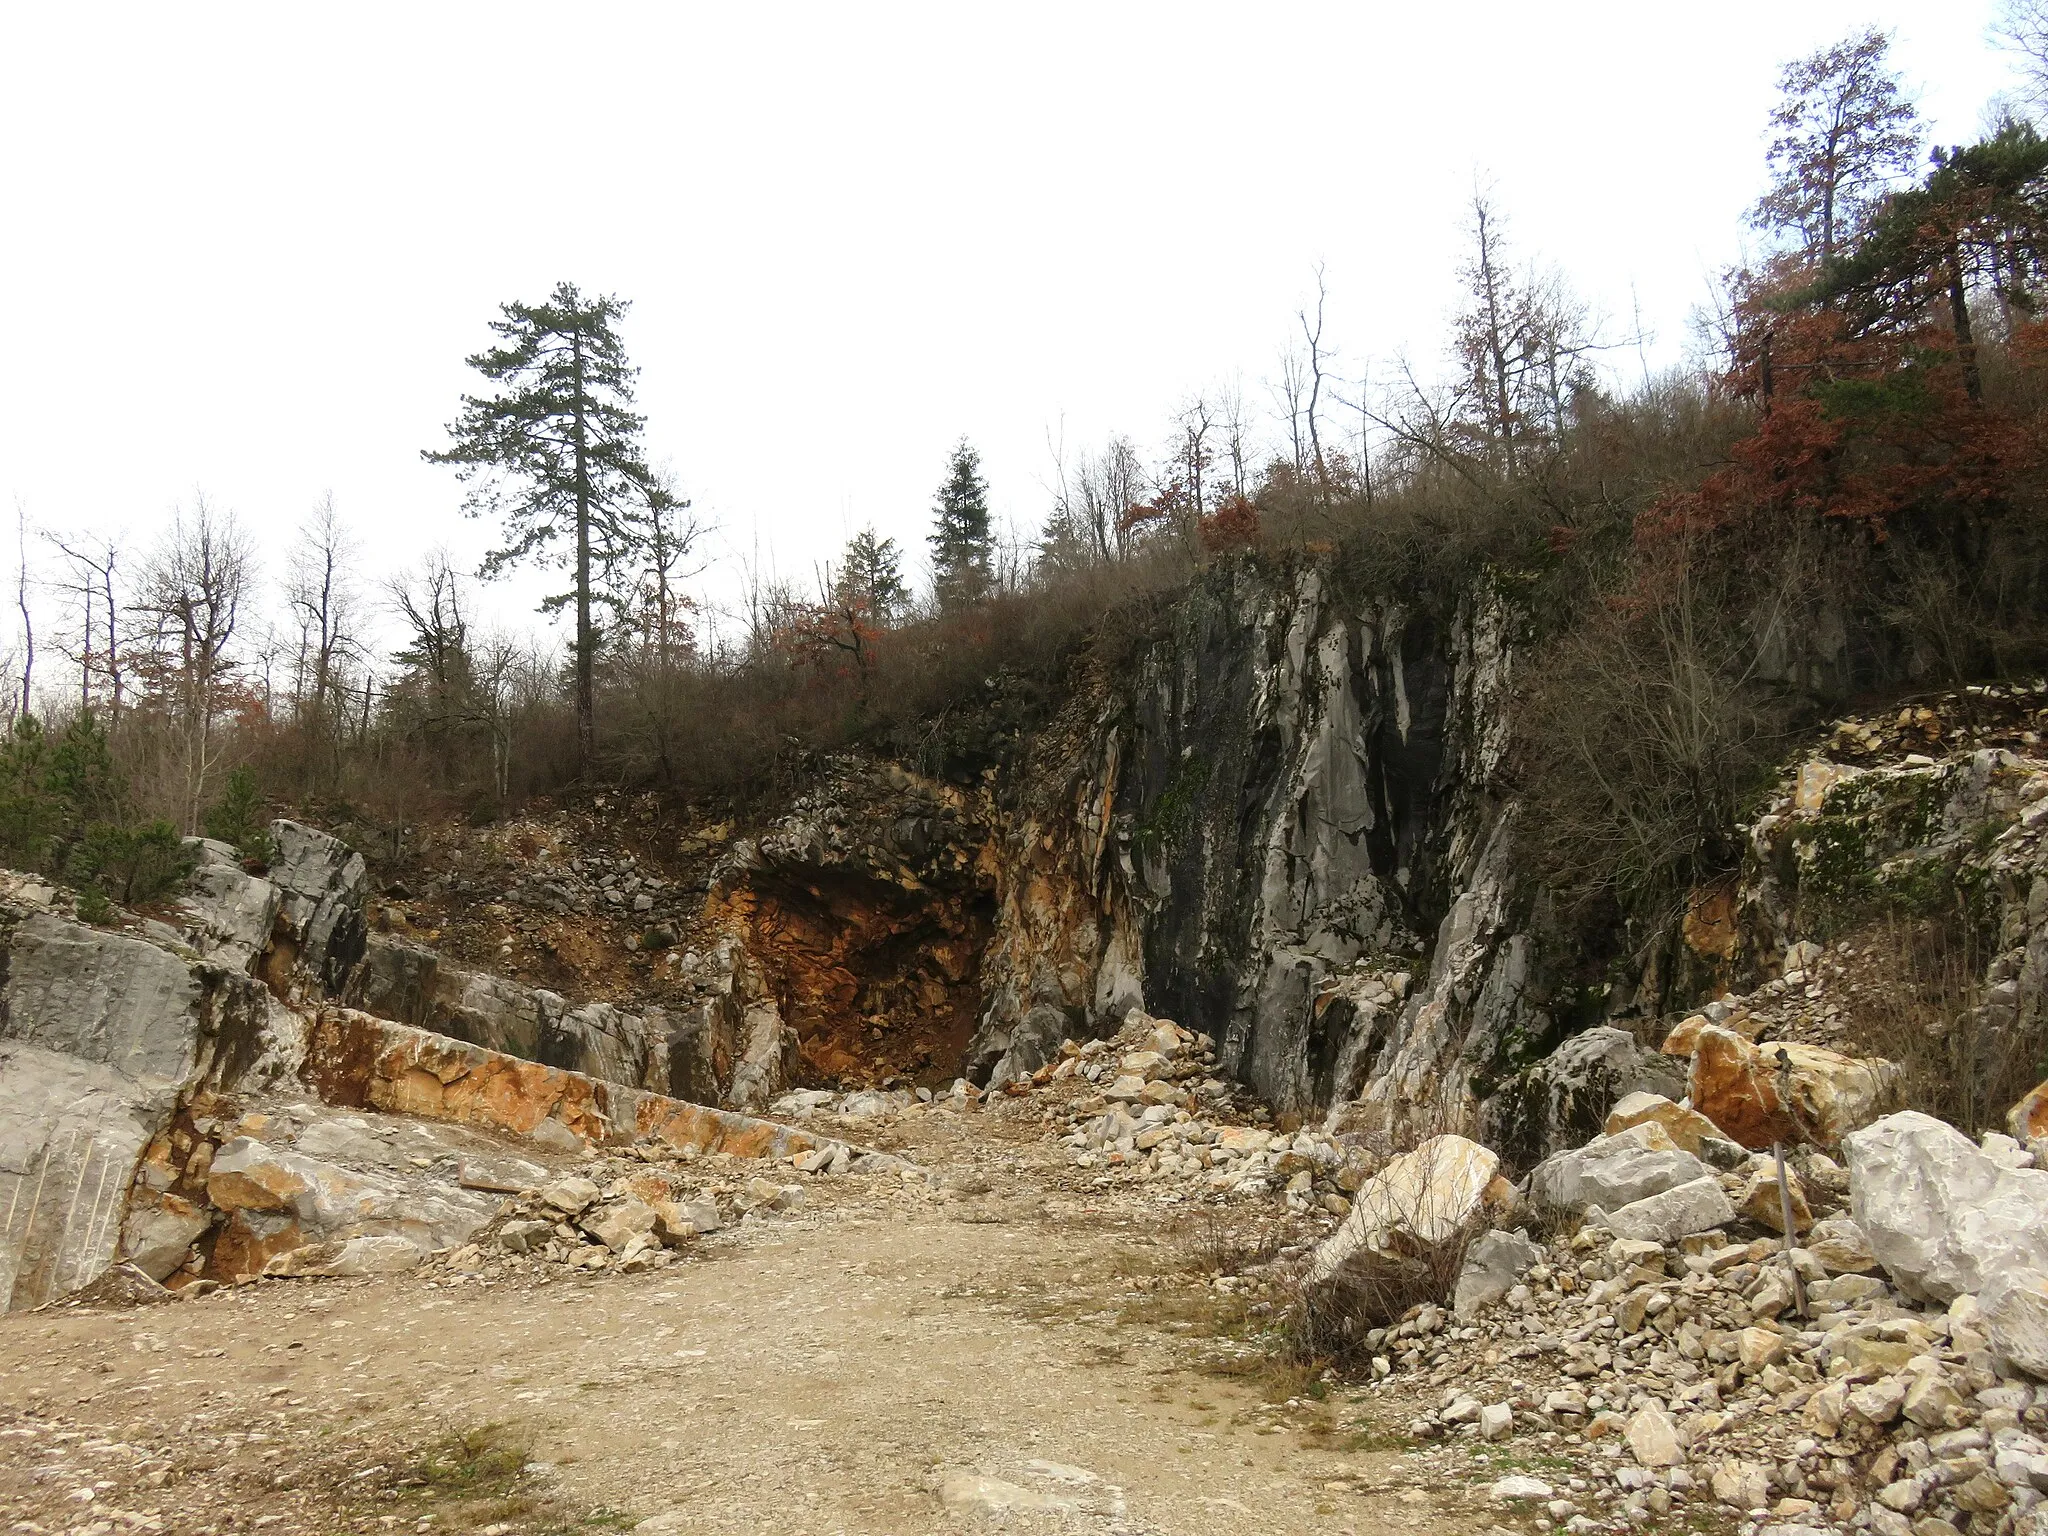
x=1281 y=831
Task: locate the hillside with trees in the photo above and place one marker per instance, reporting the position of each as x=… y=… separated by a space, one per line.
x=1862 y=436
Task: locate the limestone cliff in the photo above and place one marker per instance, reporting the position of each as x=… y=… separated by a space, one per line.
x=1280 y=827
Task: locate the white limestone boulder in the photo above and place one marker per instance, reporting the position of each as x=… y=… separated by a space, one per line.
x=1615 y=1170
x=1420 y=1201
x=1943 y=1218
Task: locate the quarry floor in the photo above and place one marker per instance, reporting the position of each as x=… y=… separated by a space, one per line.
x=1015 y=1351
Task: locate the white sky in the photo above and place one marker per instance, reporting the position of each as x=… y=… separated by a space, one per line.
x=249 y=246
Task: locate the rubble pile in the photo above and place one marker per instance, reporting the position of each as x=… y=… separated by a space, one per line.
x=1649 y=1328
x=634 y=1209
x=585 y=883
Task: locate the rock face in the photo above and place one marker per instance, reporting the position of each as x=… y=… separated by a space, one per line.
x=100 y=1037
x=1943 y=1218
x=411 y=984
x=120 y=1049
x=1287 y=790
x=855 y=929
x=320 y=882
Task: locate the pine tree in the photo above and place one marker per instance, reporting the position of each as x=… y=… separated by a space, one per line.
x=962 y=547
x=871 y=578
x=556 y=454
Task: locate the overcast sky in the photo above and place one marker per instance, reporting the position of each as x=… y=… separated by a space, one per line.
x=249 y=246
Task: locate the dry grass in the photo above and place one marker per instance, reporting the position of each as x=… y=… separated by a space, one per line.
x=1923 y=1004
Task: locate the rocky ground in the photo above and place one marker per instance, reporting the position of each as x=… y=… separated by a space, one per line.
x=1009 y=1340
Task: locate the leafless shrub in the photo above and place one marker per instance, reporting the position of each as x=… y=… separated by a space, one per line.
x=1420 y=1219
x=1924 y=1005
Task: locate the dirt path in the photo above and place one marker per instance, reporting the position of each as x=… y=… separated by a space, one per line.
x=865 y=1367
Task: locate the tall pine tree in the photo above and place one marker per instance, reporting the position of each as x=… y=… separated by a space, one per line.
x=962 y=546
x=555 y=452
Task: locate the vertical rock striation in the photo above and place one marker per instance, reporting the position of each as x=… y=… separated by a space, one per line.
x=1259 y=831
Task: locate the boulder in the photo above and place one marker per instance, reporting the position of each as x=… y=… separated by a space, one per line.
x=2015 y=1312
x=524 y=1236
x=1653 y=1438
x=1686 y=1126
x=2027 y=1121
x=1665 y=1217
x=1736 y=1085
x=1761 y=1203
x=159 y=1232
x=618 y=1222
x=1942 y=1217
x=1565 y=1099
x=677 y=1221
x=281 y=1200
x=1493 y=1265
x=1841 y=1247
x=572 y=1195
x=1615 y=1170
x=345 y=1259
x=1420 y=1201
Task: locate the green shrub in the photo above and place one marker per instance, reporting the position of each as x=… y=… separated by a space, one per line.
x=132 y=864
x=31 y=818
x=237 y=817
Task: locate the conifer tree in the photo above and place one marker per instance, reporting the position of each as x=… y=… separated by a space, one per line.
x=963 y=548
x=555 y=452
x=871 y=577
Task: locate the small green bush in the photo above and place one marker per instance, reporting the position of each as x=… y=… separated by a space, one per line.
x=132 y=864
x=237 y=817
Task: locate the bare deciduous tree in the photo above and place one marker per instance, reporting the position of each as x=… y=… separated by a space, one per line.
x=321 y=593
x=190 y=599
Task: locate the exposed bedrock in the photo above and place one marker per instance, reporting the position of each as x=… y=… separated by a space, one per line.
x=1278 y=828
x=858 y=923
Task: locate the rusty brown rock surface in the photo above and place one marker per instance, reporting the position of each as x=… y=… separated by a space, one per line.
x=356 y=1060
x=1812 y=1094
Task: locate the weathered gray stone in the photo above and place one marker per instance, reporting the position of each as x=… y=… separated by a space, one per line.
x=1941 y=1217
x=1616 y=1170
x=2015 y=1311
x=1671 y=1214
x=99 y=1034
x=229 y=913
x=524 y=1236
x=70 y=1133
x=1565 y=1099
x=321 y=882
x=157 y=1235
x=102 y=997
x=1493 y=1264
